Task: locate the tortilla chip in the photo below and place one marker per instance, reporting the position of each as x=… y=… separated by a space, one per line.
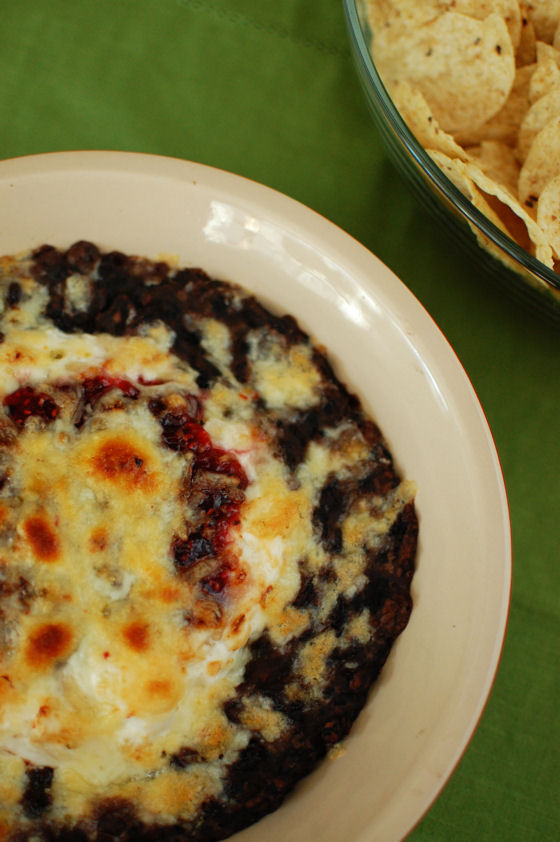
x=545 y=17
x=541 y=164
x=417 y=114
x=515 y=219
x=498 y=161
x=527 y=47
x=399 y=14
x=394 y=14
x=480 y=9
x=546 y=51
x=541 y=112
x=464 y=67
x=547 y=72
x=548 y=213
x=504 y=126
x=454 y=170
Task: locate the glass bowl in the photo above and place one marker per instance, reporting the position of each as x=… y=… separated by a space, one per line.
x=517 y=271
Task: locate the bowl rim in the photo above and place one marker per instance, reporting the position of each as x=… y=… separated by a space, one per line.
x=429 y=167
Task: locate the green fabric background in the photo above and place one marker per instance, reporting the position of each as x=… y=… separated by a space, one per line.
x=268 y=90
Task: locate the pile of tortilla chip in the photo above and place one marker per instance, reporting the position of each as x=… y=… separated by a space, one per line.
x=478 y=83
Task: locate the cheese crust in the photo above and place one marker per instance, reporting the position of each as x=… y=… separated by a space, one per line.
x=205 y=551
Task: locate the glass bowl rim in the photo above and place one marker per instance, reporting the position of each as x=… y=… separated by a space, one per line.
x=438 y=178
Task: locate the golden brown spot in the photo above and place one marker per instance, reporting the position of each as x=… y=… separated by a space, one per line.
x=49 y=642
x=172 y=793
x=266 y=596
x=137 y=635
x=214 y=738
x=313 y=660
x=158 y=695
x=270 y=723
x=42 y=538
x=169 y=594
x=98 y=540
x=159 y=687
x=237 y=623
x=117 y=460
x=276 y=510
x=214 y=667
x=6 y=687
x=292 y=621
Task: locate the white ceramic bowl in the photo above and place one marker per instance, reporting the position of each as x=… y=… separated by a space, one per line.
x=427 y=703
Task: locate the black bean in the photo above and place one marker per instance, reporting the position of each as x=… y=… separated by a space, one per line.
x=14 y=294
x=82 y=257
x=36 y=798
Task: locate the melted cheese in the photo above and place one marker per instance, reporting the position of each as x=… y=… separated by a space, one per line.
x=104 y=684
x=116 y=653
x=284 y=379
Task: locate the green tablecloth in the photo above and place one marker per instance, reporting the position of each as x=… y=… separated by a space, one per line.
x=268 y=90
